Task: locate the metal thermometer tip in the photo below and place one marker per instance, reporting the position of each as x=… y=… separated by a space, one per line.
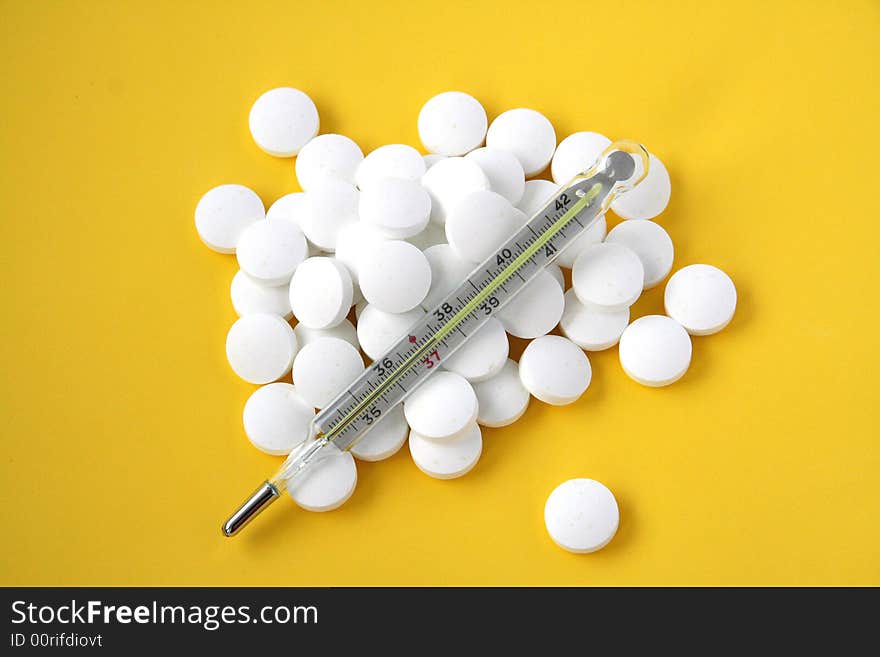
x=265 y=494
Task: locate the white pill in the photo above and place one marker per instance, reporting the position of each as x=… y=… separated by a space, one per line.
x=452 y=123
x=590 y=328
x=391 y=161
x=290 y=207
x=536 y=309
x=327 y=157
x=345 y=330
x=323 y=368
x=395 y=276
x=377 y=330
x=283 y=120
x=449 y=181
x=702 y=298
x=276 y=419
x=577 y=153
x=320 y=292
x=609 y=276
x=479 y=224
x=270 y=251
x=647 y=199
x=483 y=355
x=555 y=370
x=655 y=350
x=385 y=438
x=359 y=307
x=432 y=158
x=326 y=485
x=581 y=515
x=353 y=240
x=395 y=207
x=447 y=460
x=432 y=235
x=250 y=296
x=648 y=241
x=536 y=195
x=224 y=212
x=592 y=235
x=332 y=205
x=527 y=134
x=260 y=347
x=556 y=272
x=441 y=407
x=503 y=399
x=505 y=173
x=448 y=271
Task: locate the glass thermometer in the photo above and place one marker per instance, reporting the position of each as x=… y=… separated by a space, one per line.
x=421 y=351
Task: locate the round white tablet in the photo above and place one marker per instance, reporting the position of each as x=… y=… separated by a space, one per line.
x=320 y=292
x=270 y=251
x=482 y=355
x=395 y=207
x=555 y=370
x=502 y=399
x=651 y=243
x=527 y=134
x=283 y=120
x=290 y=207
x=452 y=123
x=592 y=235
x=577 y=153
x=432 y=158
x=505 y=173
x=276 y=419
x=260 y=347
x=391 y=161
x=609 y=276
x=395 y=276
x=449 y=181
x=326 y=485
x=702 y=298
x=432 y=235
x=478 y=224
x=590 y=328
x=331 y=205
x=377 y=330
x=647 y=199
x=385 y=438
x=441 y=407
x=345 y=330
x=536 y=309
x=323 y=368
x=224 y=212
x=655 y=350
x=536 y=195
x=353 y=240
x=327 y=157
x=447 y=272
x=447 y=460
x=581 y=515
x=556 y=272
x=250 y=296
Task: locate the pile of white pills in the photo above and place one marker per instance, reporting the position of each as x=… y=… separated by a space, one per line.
x=332 y=276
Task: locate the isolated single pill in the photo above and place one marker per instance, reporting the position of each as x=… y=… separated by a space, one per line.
x=345 y=330
x=502 y=168
x=290 y=207
x=526 y=133
x=327 y=485
x=452 y=123
x=283 y=120
x=608 y=276
x=483 y=355
x=276 y=419
x=449 y=181
x=555 y=370
x=651 y=243
x=270 y=251
x=536 y=195
x=448 y=271
x=378 y=330
x=655 y=350
x=390 y=161
x=450 y=459
x=577 y=153
x=223 y=213
x=385 y=438
x=592 y=235
x=327 y=157
x=395 y=276
x=503 y=399
x=536 y=309
x=647 y=199
x=441 y=407
x=260 y=347
x=323 y=368
x=395 y=207
x=701 y=298
x=250 y=296
x=320 y=292
x=590 y=328
x=332 y=204
x=480 y=223
x=581 y=515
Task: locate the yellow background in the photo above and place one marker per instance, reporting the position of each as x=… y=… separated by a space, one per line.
x=122 y=442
